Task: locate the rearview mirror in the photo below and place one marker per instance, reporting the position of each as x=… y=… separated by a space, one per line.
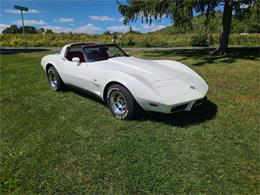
x=76 y=59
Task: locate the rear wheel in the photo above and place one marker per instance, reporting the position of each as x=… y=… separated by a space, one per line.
x=54 y=79
x=121 y=102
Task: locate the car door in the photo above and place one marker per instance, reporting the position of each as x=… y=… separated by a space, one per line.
x=76 y=73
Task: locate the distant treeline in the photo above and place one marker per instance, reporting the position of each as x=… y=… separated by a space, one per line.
x=13 y=29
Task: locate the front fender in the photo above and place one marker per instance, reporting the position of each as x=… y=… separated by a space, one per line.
x=142 y=90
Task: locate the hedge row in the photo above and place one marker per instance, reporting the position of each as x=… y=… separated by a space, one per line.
x=134 y=40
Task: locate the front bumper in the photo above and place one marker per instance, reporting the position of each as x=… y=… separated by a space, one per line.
x=185 y=106
x=188 y=106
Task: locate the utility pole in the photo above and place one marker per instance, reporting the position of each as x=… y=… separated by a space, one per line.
x=24 y=33
x=120 y=38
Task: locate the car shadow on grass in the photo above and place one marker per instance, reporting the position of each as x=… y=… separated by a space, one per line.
x=203 y=56
x=197 y=115
x=207 y=111
x=83 y=93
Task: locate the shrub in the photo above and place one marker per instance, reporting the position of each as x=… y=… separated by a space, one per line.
x=133 y=40
x=199 y=40
x=130 y=42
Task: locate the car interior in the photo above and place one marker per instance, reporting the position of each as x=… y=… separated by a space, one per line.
x=75 y=51
x=92 y=54
x=96 y=53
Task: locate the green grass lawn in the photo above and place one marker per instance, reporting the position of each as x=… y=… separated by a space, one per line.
x=68 y=142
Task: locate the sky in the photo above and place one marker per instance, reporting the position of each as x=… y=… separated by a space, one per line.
x=77 y=16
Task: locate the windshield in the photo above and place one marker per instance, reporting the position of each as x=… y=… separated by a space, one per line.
x=102 y=52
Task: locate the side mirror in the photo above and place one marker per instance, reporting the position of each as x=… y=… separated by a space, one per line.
x=76 y=59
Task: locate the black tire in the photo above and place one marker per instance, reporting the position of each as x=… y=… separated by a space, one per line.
x=131 y=108
x=54 y=80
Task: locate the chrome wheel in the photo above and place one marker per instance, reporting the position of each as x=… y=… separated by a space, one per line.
x=52 y=79
x=118 y=102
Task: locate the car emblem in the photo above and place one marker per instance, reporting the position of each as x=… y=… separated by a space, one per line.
x=192 y=87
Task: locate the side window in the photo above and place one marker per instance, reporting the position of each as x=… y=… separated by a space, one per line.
x=95 y=53
x=75 y=51
x=114 y=51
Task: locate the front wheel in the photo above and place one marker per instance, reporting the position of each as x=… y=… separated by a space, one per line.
x=54 y=79
x=121 y=102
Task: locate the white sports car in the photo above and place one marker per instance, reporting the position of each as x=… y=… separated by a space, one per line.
x=127 y=84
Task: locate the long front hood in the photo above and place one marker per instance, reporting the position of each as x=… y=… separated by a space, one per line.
x=171 y=80
x=149 y=70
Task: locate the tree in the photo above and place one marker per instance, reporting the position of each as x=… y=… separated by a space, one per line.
x=225 y=29
x=114 y=37
x=107 y=33
x=181 y=12
x=41 y=30
x=29 y=29
x=13 y=29
x=49 y=31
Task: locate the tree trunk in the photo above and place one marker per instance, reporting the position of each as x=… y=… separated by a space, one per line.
x=225 y=29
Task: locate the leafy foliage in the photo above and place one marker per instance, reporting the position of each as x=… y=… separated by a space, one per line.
x=181 y=12
x=199 y=40
x=13 y=29
x=130 y=42
x=247 y=25
x=140 y=40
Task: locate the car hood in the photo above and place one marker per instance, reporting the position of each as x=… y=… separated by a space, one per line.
x=169 y=78
x=149 y=70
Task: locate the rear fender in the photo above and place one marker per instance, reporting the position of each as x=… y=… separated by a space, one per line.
x=54 y=60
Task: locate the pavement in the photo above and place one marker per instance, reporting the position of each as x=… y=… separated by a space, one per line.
x=10 y=50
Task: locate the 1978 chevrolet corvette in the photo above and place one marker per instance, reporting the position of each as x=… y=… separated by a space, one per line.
x=127 y=84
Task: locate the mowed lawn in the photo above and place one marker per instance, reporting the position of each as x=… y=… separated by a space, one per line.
x=68 y=142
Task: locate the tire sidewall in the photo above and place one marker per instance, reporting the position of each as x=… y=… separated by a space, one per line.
x=54 y=71
x=128 y=98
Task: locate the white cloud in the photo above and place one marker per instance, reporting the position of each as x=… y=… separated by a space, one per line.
x=58 y=29
x=30 y=22
x=88 y=28
x=64 y=20
x=101 y=18
x=151 y=28
x=15 y=11
x=121 y=19
x=121 y=28
x=2 y=27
